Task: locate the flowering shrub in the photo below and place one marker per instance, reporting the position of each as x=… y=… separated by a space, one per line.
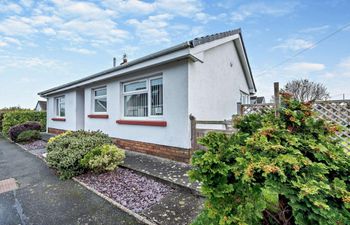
x=18 y=129
x=103 y=158
x=65 y=151
x=289 y=169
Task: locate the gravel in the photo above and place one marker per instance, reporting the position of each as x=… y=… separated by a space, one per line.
x=130 y=189
x=39 y=144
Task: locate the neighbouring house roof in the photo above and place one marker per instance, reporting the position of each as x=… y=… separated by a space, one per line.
x=257 y=100
x=42 y=105
x=185 y=45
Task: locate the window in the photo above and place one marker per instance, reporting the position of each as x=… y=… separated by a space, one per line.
x=99 y=100
x=244 y=98
x=60 y=107
x=143 y=98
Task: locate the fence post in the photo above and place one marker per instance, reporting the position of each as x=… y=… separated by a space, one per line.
x=277 y=97
x=193 y=133
x=239 y=108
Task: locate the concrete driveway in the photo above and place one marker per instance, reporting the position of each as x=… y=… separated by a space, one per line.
x=44 y=199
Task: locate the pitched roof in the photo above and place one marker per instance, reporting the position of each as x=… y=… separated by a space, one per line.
x=188 y=44
x=42 y=105
x=201 y=40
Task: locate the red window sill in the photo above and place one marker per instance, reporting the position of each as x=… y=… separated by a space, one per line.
x=143 y=122
x=98 y=116
x=58 y=119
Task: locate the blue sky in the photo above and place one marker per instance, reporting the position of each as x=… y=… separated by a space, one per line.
x=47 y=43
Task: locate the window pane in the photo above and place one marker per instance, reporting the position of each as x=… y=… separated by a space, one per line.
x=101 y=105
x=62 y=110
x=157 y=97
x=136 y=105
x=136 y=86
x=100 y=92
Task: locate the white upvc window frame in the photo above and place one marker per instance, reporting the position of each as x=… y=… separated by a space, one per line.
x=93 y=97
x=58 y=104
x=246 y=96
x=149 y=95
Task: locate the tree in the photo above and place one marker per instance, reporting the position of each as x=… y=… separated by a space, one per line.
x=305 y=90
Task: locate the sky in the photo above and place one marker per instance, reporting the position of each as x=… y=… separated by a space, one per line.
x=51 y=42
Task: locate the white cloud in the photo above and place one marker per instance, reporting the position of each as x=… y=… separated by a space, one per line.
x=16 y=26
x=7 y=61
x=153 y=29
x=294 y=44
x=3 y=44
x=315 y=29
x=10 y=7
x=262 y=9
x=342 y=69
x=49 y=31
x=130 y=6
x=186 y=8
x=26 y=3
x=84 y=10
x=83 y=51
x=345 y=63
x=305 y=67
x=205 y=18
x=7 y=41
x=98 y=29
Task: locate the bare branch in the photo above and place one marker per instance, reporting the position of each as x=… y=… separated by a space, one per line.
x=305 y=90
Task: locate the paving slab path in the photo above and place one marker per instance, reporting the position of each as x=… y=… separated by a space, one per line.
x=42 y=199
x=174 y=172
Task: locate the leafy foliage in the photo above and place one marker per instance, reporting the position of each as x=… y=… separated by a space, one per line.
x=286 y=170
x=65 y=151
x=9 y=109
x=28 y=135
x=16 y=130
x=13 y=118
x=103 y=158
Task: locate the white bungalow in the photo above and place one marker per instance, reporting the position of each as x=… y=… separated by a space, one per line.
x=145 y=104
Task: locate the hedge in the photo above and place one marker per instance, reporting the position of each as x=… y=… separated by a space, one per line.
x=9 y=109
x=18 y=117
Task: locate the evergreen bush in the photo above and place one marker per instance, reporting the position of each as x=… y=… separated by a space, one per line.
x=103 y=158
x=28 y=135
x=290 y=169
x=65 y=151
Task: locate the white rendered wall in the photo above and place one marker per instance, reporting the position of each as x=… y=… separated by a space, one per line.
x=175 y=99
x=70 y=107
x=80 y=115
x=215 y=84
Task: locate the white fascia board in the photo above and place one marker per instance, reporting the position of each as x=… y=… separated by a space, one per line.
x=245 y=65
x=181 y=54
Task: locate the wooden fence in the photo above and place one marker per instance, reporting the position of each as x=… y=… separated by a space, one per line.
x=197 y=131
x=334 y=111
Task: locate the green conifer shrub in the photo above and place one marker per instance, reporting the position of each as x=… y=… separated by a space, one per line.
x=290 y=169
